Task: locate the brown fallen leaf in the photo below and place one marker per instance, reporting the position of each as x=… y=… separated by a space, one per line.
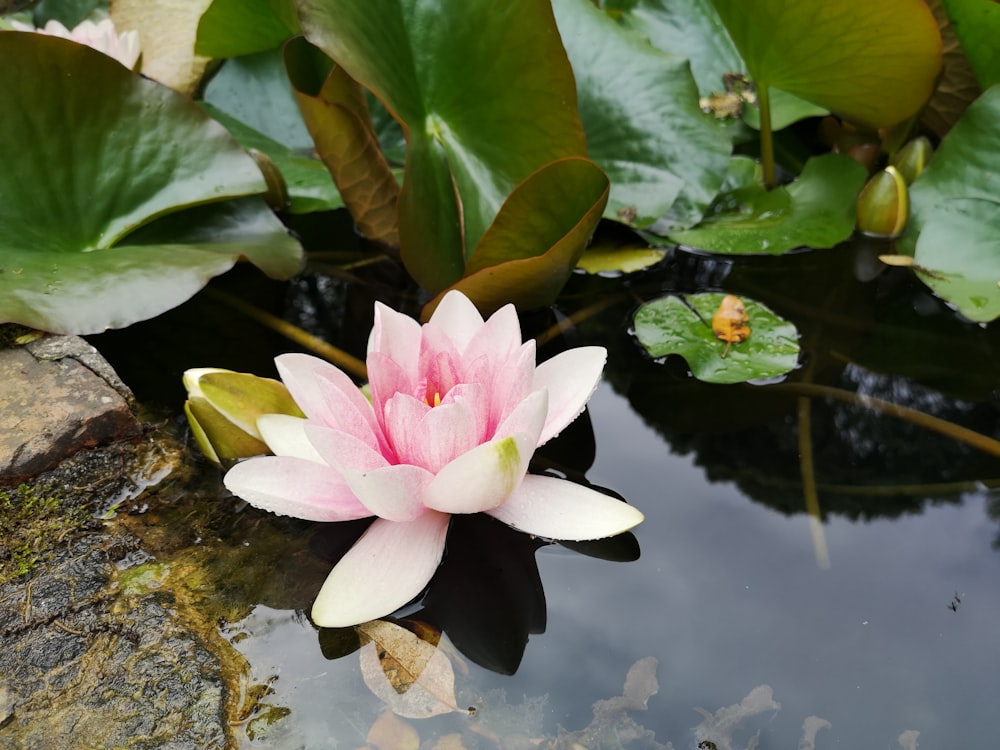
x=729 y=323
x=412 y=677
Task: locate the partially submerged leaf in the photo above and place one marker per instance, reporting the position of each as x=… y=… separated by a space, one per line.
x=414 y=678
x=817 y=210
x=672 y=325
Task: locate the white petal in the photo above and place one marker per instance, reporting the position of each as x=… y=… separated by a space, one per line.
x=294 y=487
x=387 y=567
x=560 y=509
x=571 y=378
x=482 y=478
x=458 y=318
x=342 y=450
x=392 y=492
x=285 y=436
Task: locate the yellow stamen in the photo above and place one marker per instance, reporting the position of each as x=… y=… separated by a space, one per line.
x=437 y=399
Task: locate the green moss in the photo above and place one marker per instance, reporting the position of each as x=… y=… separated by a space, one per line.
x=33 y=520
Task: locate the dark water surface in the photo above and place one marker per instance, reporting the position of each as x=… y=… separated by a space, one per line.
x=897 y=635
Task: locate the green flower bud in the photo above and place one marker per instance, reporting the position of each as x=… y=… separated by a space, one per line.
x=223 y=407
x=911 y=159
x=883 y=204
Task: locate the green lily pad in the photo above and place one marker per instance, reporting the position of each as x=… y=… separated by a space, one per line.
x=954 y=205
x=640 y=111
x=817 y=210
x=85 y=210
x=485 y=93
x=308 y=181
x=977 y=25
x=873 y=63
x=232 y=28
x=675 y=325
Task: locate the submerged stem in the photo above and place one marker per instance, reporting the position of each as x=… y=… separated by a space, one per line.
x=808 y=471
x=935 y=424
x=318 y=346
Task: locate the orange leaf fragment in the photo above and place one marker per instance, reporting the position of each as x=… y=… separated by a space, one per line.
x=729 y=323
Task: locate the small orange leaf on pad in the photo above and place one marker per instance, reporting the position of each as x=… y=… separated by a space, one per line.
x=730 y=321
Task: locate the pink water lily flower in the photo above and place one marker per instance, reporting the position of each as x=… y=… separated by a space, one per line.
x=101 y=36
x=457 y=409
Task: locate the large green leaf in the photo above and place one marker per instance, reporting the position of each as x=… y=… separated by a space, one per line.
x=672 y=325
x=74 y=201
x=485 y=93
x=977 y=26
x=659 y=149
x=537 y=237
x=307 y=179
x=873 y=63
x=817 y=210
x=955 y=205
x=693 y=29
x=231 y=28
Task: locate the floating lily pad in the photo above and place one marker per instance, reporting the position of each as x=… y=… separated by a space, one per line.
x=955 y=204
x=817 y=210
x=231 y=28
x=676 y=325
x=128 y=212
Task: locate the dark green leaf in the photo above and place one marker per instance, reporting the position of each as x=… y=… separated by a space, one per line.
x=231 y=28
x=977 y=25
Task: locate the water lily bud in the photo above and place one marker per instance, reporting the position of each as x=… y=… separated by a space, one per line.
x=223 y=408
x=883 y=204
x=911 y=159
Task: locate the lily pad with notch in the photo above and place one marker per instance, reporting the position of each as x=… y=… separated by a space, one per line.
x=682 y=325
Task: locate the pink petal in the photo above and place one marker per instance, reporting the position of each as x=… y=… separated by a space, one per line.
x=560 y=509
x=571 y=378
x=499 y=337
x=446 y=432
x=302 y=374
x=385 y=380
x=483 y=478
x=457 y=317
x=294 y=487
x=392 y=492
x=402 y=417
x=387 y=567
x=395 y=335
x=528 y=417
x=285 y=435
x=341 y=450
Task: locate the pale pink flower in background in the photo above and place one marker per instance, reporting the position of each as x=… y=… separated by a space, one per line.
x=457 y=409
x=101 y=36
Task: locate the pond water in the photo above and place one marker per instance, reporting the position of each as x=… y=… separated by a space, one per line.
x=881 y=620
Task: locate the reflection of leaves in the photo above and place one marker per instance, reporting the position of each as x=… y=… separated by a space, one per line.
x=719 y=727
x=410 y=675
x=389 y=732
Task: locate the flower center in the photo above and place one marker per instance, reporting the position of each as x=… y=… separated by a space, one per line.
x=434 y=400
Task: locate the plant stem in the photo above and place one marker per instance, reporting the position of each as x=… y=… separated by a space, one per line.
x=766 y=137
x=339 y=357
x=808 y=471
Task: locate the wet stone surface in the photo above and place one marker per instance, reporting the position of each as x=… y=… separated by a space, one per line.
x=95 y=651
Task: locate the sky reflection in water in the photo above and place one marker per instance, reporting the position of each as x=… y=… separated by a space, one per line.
x=727 y=596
